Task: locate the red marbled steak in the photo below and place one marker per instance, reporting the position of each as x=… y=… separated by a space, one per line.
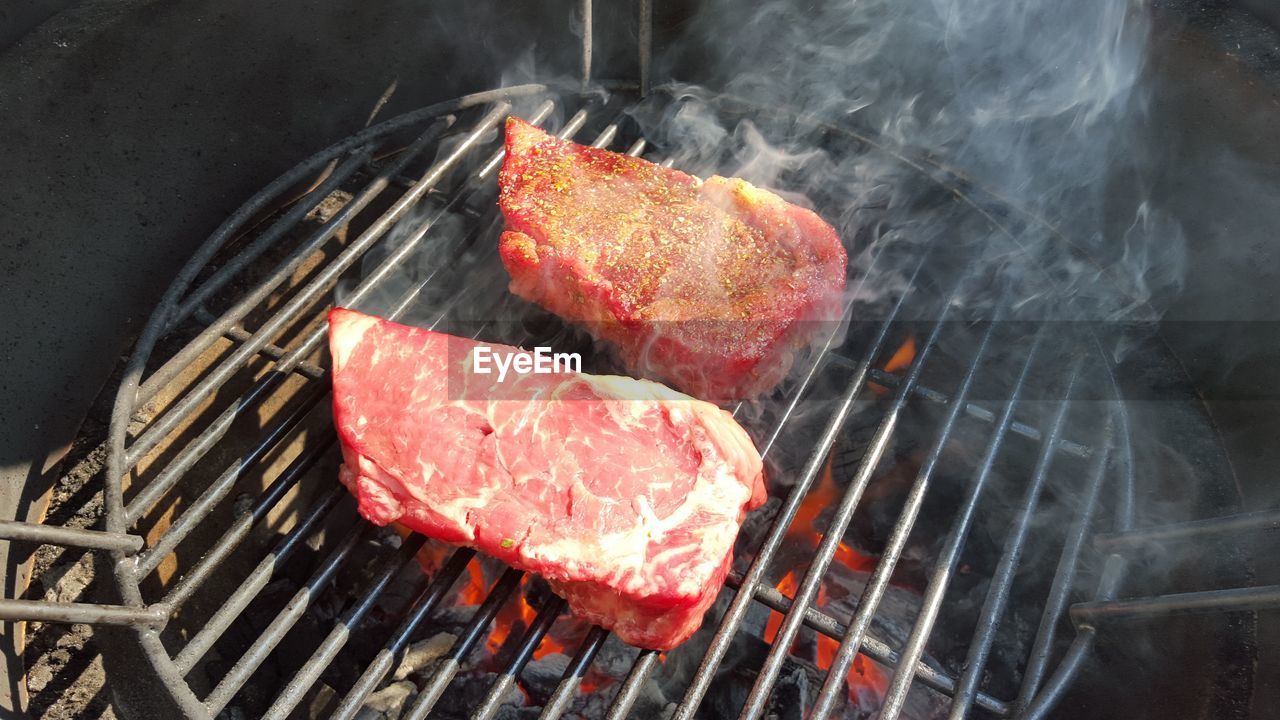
x=625 y=495
x=709 y=285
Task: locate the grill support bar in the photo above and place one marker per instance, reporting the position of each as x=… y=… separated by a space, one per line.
x=559 y=701
x=1191 y=531
x=879 y=582
x=41 y=611
x=1001 y=584
x=293 y=693
x=385 y=659
x=949 y=556
x=547 y=615
x=70 y=537
x=872 y=646
x=742 y=601
x=476 y=630
x=834 y=533
x=1056 y=602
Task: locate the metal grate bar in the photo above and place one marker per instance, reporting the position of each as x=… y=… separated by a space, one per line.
x=585 y=68
x=293 y=693
x=888 y=562
x=283 y=270
x=253 y=584
x=1112 y=574
x=309 y=293
x=42 y=611
x=1056 y=602
x=559 y=701
x=283 y=622
x=872 y=646
x=1191 y=531
x=382 y=664
x=69 y=537
x=741 y=602
x=151 y=493
x=945 y=564
x=273 y=352
x=242 y=259
x=824 y=353
x=834 y=533
x=974 y=410
x=200 y=509
x=1265 y=597
x=218 y=428
x=1002 y=582
x=547 y=615
x=645 y=37
x=627 y=695
x=475 y=631
x=239 y=530
x=574 y=124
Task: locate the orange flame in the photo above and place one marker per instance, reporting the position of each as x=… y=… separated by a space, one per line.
x=518 y=616
x=900 y=360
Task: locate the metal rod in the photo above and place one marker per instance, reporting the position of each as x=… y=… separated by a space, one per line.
x=824 y=352
x=283 y=622
x=199 y=510
x=1059 y=591
x=869 y=602
x=627 y=695
x=872 y=647
x=475 y=631
x=283 y=270
x=177 y=468
x=249 y=588
x=273 y=352
x=973 y=409
x=215 y=430
x=560 y=700
x=547 y=615
x=1067 y=669
x=945 y=564
x=586 y=44
x=733 y=617
x=70 y=537
x=1002 y=582
x=154 y=616
x=833 y=535
x=241 y=526
x=306 y=676
x=385 y=659
x=1188 y=531
x=646 y=44
x=1265 y=597
x=1112 y=573
x=238 y=262
x=310 y=292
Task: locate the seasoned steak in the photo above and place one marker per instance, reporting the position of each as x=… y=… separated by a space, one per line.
x=625 y=495
x=709 y=285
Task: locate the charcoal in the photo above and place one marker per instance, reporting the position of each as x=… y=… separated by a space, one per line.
x=541 y=676
x=615 y=658
x=424 y=652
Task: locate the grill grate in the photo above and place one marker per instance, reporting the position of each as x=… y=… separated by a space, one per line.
x=289 y=336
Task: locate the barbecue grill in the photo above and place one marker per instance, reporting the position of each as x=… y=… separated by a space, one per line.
x=219 y=478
